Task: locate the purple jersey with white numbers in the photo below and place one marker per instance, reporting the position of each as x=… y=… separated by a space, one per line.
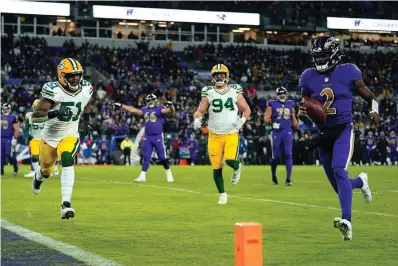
x=7 y=122
x=334 y=90
x=370 y=141
x=393 y=142
x=282 y=113
x=154 y=120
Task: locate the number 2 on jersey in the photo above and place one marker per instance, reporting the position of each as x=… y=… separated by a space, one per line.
x=329 y=100
x=218 y=105
x=71 y=104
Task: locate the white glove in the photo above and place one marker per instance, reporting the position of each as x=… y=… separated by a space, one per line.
x=275 y=125
x=14 y=142
x=396 y=149
x=374 y=147
x=197 y=123
x=239 y=122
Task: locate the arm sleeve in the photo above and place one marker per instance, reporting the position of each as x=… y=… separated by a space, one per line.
x=303 y=82
x=238 y=89
x=205 y=92
x=49 y=91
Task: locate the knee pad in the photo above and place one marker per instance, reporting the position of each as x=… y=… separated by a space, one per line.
x=35 y=158
x=288 y=156
x=66 y=159
x=339 y=172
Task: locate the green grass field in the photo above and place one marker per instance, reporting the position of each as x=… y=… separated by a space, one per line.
x=180 y=223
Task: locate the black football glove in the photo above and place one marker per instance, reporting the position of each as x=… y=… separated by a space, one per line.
x=169 y=104
x=64 y=113
x=117 y=105
x=84 y=129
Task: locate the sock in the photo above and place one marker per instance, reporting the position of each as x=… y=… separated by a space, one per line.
x=168 y=171
x=356 y=182
x=35 y=165
x=145 y=165
x=166 y=164
x=39 y=174
x=67 y=180
x=274 y=164
x=217 y=176
x=289 y=166
x=233 y=164
x=345 y=192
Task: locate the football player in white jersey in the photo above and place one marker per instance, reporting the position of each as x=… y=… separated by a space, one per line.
x=33 y=134
x=223 y=101
x=61 y=107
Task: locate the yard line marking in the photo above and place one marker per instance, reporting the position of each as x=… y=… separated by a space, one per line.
x=72 y=251
x=234 y=196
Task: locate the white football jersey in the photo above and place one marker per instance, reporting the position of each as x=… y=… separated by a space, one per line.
x=35 y=129
x=223 y=110
x=56 y=130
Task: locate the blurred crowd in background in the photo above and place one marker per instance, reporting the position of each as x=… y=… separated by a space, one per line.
x=130 y=74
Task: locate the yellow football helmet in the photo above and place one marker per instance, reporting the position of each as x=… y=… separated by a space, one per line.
x=35 y=103
x=66 y=68
x=220 y=68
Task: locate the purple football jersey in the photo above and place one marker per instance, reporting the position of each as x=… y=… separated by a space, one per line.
x=7 y=121
x=154 y=120
x=282 y=113
x=370 y=141
x=334 y=90
x=393 y=142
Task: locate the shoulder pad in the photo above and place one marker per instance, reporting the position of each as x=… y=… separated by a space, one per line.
x=236 y=87
x=205 y=90
x=49 y=90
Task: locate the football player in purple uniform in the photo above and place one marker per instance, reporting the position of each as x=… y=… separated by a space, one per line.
x=333 y=84
x=9 y=135
x=154 y=117
x=281 y=114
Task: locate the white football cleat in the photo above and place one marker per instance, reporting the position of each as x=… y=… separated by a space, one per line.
x=366 y=193
x=223 y=197
x=344 y=226
x=140 y=179
x=36 y=185
x=236 y=175
x=169 y=177
x=66 y=211
x=30 y=174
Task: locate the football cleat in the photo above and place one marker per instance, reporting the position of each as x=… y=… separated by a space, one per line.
x=30 y=174
x=140 y=179
x=274 y=180
x=344 y=226
x=288 y=182
x=366 y=193
x=36 y=185
x=236 y=175
x=66 y=211
x=223 y=197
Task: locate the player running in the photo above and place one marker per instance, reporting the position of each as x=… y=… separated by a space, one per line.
x=60 y=107
x=154 y=117
x=9 y=135
x=332 y=84
x=222 y=101
x=281 y=114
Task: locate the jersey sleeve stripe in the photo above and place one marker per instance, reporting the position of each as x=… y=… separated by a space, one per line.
x=47 y=92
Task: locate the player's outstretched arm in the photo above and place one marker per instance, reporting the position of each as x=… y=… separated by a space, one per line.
x=294 y=121
x=202 y=109
x=243 y=107
x=169 y=108
x=268 y=115
x=367 y=95
x=42 y=112
x=128 y=108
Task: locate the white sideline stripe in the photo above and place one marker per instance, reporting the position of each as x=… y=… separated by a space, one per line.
x=72 y=251
x=238 y=197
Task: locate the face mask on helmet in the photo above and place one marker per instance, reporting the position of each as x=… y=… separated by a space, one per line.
x=325 y=53
x=219 y=79
x=73 y=80
x=281 y=94
x=151 y=100
x=6 y=109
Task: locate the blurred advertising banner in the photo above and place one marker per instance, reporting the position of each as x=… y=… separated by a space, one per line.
x=361 y=24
